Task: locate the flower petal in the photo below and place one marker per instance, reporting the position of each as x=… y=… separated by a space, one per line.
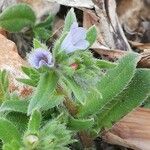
x=74 y=25
x=40 y=57
x=78 y=34
x=67 y=45
x=83 y=44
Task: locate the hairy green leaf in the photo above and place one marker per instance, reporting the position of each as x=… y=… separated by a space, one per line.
x=133 y=96
x=4 y=84
x=80 y=124
x=38 y=44
x=91 y=35
x=45 y=88
x=14 y=105
x=111 y=84
x=8 y=131
x=16 y=17
x=14 y=145
x=34 y=123
x=33 y=76
x=53 y=101
x=69 y=20
x=20 y=120
x=105 y=64
x=76 y=89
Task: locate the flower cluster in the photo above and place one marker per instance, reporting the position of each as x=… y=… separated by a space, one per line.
x=75 y=40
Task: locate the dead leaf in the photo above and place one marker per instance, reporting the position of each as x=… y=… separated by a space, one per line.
x=75 y=3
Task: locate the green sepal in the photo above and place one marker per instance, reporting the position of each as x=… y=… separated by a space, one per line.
x=69 y=20
x=91 y=35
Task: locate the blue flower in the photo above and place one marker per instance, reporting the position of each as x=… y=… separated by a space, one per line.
x=75 y=40
x=40 y=57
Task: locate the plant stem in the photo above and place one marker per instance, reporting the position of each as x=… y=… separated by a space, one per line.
x=85 y=138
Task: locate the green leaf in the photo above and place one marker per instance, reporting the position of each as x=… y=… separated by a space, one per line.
x=47 y=23
x=29 y=82
x=8 y=131
x=53 y=101
x=4 y=84
x=30 y=72
x=69 y=20
x=111 y=84
x=105 y=64
x=20 y=120
x=38 y=44
x=80 y=124
x=133 y=96
x=57 y=46
x=43 y=30
x=33 y=76
x=45 y=88
x=14 y=105
x=58 y=133
x=34 y=123
x=42 y=33
x=91 y=35
x=16 y=17
x=77 y=90
x=14 y=145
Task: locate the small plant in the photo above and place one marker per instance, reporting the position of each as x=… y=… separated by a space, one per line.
x=21 y=18
x=22 y=25
x=74 y=94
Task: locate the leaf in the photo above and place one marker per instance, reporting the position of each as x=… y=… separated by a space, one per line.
x=80 y=124
x=76 y=3
x=133 y=96
x=57 y=46
x=58 y=133
x=91 y=35
x=47 y=23
x=105 y=64
x=69 y=20
x=32 y=73
x=14 y=105
x=111 y=84
x=14 y=145
x=20 y=120
x=33 y=76
x=34 y=123
x=42 y=33
x=53 y=101
x=77 y=90
x=16 y=17
x=8 y=131
x=38 y=44
x=29 y=82
x=45 y=88
x=43 y=30
x=4 y=84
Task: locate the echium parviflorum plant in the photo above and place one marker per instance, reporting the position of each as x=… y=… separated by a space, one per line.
x=75 y=96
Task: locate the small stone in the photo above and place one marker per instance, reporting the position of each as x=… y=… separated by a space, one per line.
x=12 y=62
